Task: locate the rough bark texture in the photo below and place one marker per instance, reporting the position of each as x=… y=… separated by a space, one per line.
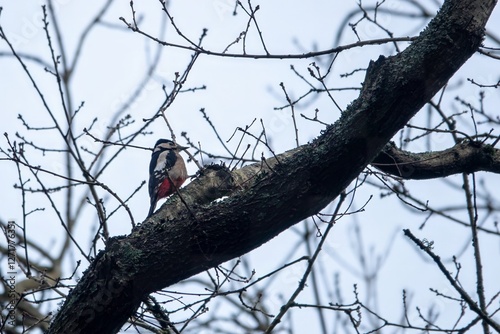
x=466 y=157
x=177 y=244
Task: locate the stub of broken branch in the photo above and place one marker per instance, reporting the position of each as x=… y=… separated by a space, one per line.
x=215 y=181
x=210 y=183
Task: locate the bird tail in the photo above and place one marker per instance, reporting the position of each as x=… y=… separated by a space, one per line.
x=152 y=208
x=151 y=211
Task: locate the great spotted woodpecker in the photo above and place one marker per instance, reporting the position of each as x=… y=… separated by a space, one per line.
x=167 y=171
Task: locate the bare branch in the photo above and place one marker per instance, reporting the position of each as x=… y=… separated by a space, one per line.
x=465 y=157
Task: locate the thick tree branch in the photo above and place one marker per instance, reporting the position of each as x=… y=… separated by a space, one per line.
x=179 y=242
x=466 y=157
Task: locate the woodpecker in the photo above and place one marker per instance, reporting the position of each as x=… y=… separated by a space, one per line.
x=167 y=171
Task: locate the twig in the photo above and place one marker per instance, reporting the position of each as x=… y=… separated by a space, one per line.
x=470 y=302
x=311 y=261
x=472 y=212
x=273 y=56
x=290 y=104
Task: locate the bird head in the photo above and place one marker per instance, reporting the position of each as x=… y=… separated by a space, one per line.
x=167 y=144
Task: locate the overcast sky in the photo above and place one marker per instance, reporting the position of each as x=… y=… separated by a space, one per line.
x=114 y=60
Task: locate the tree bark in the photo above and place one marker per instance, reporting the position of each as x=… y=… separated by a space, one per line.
x=465 y=157
x=265 y=199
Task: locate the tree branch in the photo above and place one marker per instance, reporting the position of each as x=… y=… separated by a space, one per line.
x=465 y=157
x=266 y=199
x=456 y=285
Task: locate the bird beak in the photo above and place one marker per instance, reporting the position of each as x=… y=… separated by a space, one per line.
x=182 y=148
